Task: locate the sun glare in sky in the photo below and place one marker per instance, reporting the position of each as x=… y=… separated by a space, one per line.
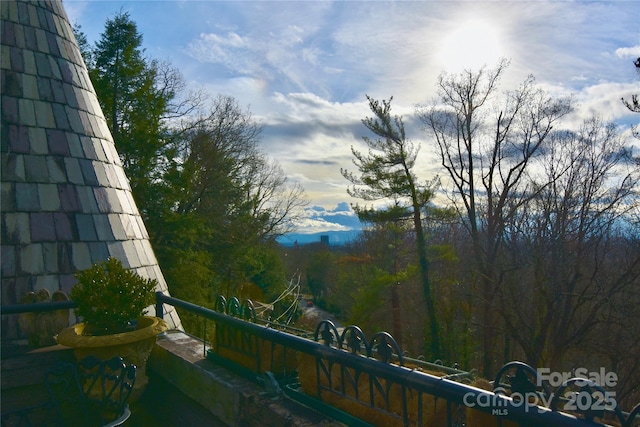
x=470 y=45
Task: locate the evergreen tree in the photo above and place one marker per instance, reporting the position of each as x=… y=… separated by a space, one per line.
x=386 y=172
x=86 y=49
x=212 y=202
x=127 y=88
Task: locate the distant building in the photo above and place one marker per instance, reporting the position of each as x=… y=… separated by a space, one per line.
x=324 y=239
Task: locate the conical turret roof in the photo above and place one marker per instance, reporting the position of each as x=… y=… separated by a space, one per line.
x=66 y=202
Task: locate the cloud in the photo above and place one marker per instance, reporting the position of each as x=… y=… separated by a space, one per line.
x=318 y=162
x=235 y=52
x=628 y=52
x=281 y=45
x=604 y=100
x=319 y=219
x=311 y=137
x=303 y=68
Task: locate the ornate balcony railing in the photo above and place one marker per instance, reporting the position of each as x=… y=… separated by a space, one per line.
x=368 y=381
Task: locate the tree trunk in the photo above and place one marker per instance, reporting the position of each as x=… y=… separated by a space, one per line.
x=397 y=313
x=434 y=328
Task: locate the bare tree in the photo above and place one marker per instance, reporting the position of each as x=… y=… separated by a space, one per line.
x=487 y=158
x=574 y=237
x=225 y=201
x=271 y=197
x=224 y=174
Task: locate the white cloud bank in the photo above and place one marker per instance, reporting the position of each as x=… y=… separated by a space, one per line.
x=318 y=218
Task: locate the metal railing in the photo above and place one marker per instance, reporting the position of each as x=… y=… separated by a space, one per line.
x=346 y=367
x=375 y=382
x=37 y=307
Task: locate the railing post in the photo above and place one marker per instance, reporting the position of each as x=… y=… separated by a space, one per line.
x=159 y=305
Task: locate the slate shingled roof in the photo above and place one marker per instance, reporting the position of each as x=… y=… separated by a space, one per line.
x=66 y=202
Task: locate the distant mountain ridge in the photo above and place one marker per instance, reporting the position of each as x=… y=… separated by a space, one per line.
x=333 y=238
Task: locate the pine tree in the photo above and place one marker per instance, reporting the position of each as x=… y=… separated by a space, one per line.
x=125 y=83
x=386 y=172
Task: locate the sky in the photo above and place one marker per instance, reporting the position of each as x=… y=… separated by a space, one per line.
x=304 y=68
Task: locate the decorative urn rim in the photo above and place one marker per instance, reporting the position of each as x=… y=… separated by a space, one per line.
x=148 y=327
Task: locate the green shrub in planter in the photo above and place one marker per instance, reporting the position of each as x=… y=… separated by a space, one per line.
x=110 y=297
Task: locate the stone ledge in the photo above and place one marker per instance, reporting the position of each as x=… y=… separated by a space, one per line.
x=179 y=359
